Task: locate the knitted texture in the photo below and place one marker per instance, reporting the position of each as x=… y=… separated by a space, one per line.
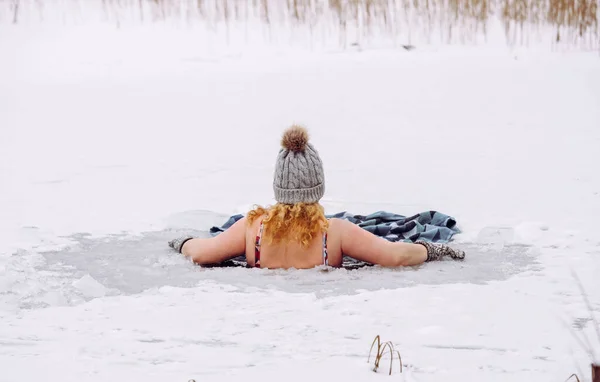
x=436 y=251
x=177 y=243
x=299 y=176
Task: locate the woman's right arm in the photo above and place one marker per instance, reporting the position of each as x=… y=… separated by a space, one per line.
x=362 y=245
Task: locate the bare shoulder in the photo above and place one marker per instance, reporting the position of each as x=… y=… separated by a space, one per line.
x=333 y=222
x=252 y=227
x=254 y=222
x=340 y=228
x=336 y=226
x=334 y=241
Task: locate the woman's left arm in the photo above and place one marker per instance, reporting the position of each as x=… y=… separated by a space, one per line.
x=214 y=250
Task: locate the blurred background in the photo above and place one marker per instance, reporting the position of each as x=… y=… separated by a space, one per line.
x=342 y=23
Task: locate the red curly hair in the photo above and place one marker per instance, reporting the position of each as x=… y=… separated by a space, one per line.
x=299 y=222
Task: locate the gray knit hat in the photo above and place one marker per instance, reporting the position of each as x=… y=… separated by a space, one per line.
x=299 y=174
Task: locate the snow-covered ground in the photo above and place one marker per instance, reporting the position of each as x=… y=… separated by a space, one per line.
x=111 y=143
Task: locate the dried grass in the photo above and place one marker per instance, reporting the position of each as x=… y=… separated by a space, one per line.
x=383 y=349
x=462 y=20
x=571 y=19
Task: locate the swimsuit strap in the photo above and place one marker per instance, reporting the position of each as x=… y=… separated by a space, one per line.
x=257 y=246
x=325 y=255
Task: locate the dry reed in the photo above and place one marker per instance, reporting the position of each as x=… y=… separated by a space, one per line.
x=575 y=19
x=462 y=20
x=383 y=349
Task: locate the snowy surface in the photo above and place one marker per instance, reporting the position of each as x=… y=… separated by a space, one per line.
x=105 y=154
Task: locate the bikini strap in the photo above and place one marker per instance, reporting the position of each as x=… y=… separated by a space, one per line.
x=325 y=255
x=257 y=246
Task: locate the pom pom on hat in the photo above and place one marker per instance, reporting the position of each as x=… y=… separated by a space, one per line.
x=295 y=139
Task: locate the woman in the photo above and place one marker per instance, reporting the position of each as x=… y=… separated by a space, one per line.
x=294 y=233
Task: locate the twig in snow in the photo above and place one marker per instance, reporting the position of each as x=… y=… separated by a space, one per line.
x=382 y=349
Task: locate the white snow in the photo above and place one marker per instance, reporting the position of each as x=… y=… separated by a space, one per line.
x=110 y=144
x=89 y=287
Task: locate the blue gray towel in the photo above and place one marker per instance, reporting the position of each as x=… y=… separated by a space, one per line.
x=430 y=226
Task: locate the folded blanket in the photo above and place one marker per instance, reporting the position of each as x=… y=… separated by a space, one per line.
x=430 y=226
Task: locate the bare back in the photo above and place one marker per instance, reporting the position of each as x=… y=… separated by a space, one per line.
x=293 y=254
